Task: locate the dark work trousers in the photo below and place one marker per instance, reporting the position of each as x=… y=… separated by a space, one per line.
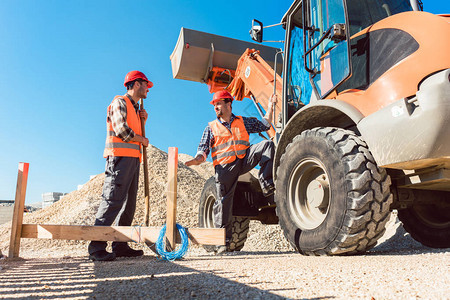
x=118 y=198
x=227 y=178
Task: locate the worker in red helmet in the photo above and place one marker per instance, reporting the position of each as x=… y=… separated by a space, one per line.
x=227 y=138
x=123 y=154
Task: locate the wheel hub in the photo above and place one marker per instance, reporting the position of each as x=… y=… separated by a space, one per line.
x=317 y=193
x=208 y=216
x=309 y=193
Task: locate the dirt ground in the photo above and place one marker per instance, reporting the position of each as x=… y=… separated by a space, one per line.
x=400 y=274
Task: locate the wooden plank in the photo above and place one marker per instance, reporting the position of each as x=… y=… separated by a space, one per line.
x=198 y=236
x=16 y=225
x=171 y=218
x=206 y=236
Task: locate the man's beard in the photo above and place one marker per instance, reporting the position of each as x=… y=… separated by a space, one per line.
x=143 y=94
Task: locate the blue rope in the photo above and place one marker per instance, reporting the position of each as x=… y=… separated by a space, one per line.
x=138 y=232
x=160 y=245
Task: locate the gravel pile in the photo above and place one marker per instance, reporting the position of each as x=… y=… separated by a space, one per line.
x=79 y=208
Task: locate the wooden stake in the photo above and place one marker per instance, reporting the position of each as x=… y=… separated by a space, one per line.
x=19 y=203
x=171 y=228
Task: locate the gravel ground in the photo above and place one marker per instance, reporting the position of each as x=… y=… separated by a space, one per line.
x=400 y=274
x=267 y=268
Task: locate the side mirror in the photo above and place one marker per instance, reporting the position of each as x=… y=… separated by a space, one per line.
x=256 y=32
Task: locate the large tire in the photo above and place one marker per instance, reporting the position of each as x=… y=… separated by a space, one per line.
x=240 y=225
x=331 y=197
x=428 y=223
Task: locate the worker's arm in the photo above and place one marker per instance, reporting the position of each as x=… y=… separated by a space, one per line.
x=269 y=114
x=118 y=117
x=253 y=125
x=203 y=148
x=140 y=139
x=196 y=161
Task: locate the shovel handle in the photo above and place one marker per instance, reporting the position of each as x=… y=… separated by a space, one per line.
x=144 y=157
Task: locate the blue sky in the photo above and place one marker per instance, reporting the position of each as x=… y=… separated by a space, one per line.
x=62 y=62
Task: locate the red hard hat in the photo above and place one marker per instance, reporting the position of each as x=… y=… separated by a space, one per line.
x=133 y=75
x=220 y=95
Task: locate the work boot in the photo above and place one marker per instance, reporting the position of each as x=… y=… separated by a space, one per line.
x=102 y=255
x=125 y=251
x=220 y=250
x=268 y=190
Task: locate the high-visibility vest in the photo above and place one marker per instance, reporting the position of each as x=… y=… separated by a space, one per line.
x=228 y=145
x=114 y=145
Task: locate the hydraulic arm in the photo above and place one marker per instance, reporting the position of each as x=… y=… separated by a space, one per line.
x=255 y=79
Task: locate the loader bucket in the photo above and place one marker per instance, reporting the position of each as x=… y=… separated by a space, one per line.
x=197 y=53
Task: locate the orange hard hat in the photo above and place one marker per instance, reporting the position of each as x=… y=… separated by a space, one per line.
x=221 y=95
x=133 y=75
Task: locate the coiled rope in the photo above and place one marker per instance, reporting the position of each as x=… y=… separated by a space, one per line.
x=160 y=245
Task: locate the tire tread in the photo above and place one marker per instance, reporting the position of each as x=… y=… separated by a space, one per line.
x=368 y=194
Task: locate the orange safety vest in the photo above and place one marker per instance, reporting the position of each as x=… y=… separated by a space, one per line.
x=114 y=145
x=229 y=145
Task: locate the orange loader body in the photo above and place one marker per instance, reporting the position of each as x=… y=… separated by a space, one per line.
x=362 y=128
x=403 y=79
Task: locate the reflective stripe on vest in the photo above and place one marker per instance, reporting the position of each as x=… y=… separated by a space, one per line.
x=122 y=145
x=114 y=145
x=229 y=145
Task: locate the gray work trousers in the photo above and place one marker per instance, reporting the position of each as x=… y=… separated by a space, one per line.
x=227 y=177
x=118 y=197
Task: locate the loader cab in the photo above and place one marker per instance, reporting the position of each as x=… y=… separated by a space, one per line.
x=319 y=49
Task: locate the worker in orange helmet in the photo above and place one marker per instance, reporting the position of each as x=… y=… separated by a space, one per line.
x=123 y=154
x=227 y=137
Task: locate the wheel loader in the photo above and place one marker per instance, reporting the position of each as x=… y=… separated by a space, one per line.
x=363 y=126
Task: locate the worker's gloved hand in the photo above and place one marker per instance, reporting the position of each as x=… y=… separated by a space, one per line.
x=273 y=99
